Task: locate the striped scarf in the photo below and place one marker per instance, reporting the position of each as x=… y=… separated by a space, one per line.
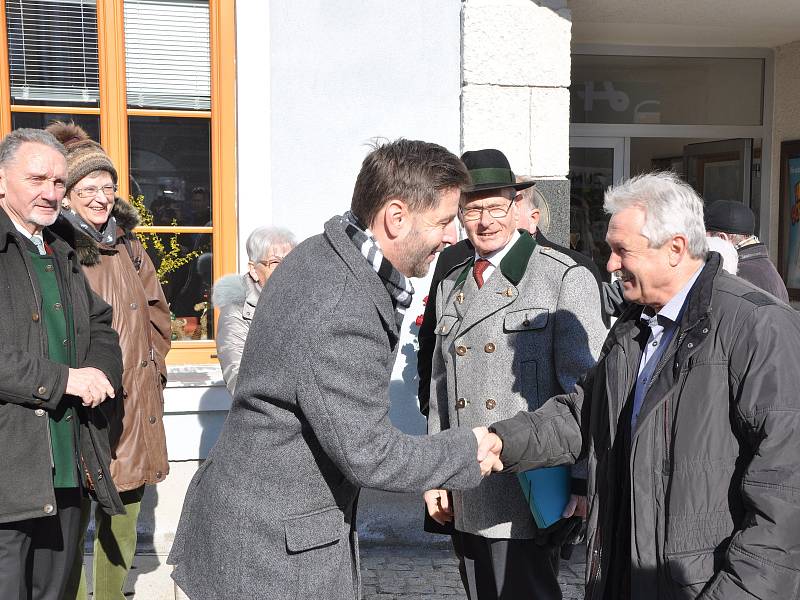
x=397 y=284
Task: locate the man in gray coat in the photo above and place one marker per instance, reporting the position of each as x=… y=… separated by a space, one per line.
x=689 y=419
x=271 y=514
x=517 y=322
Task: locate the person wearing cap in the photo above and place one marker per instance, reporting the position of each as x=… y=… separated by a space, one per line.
x=60 y=364
x=735 y=222
x=99 y=225
x=689 y=419
x=516 y=322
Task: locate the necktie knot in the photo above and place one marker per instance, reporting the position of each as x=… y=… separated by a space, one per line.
x=478 y=269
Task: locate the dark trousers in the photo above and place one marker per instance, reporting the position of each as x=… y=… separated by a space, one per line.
x=500 y=569
x=36 y=555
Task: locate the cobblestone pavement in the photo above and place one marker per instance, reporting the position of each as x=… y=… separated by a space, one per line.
x=430 y=572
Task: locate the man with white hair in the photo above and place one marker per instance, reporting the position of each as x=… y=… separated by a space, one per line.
x=688 y=420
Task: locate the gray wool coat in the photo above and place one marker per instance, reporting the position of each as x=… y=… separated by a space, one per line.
x=271 y=513
x=530 y=332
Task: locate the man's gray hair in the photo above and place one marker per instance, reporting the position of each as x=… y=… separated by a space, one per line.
x=671 y=207
x=10 y=145
x=263 y=238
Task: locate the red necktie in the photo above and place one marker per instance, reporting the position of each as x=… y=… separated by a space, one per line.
x=477 y=271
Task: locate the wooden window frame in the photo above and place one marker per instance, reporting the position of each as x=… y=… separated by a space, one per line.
x=114 y=113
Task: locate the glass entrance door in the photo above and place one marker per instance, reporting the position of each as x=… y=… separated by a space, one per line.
x=595 y=163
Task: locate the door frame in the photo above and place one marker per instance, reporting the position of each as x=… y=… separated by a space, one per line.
x=620 y=145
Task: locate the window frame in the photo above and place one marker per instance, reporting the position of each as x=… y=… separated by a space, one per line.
x=114 y=114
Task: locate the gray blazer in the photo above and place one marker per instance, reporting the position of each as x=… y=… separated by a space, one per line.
x=271 y=513
x=529 y=333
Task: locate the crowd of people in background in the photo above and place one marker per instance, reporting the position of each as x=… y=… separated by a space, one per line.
x=668 y=390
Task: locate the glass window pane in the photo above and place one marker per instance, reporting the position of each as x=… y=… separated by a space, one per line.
x=90 y=123
x=52 y=52
x=591 y=172
x=167 y=54
x=183 y=264
x=667 y=90
x=170 y=162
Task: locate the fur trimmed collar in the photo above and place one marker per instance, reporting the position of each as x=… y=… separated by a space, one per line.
x=86 y=248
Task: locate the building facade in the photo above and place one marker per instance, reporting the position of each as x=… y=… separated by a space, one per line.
x=222 y=115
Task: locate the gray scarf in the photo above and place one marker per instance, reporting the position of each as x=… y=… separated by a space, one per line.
x=397 y=284
x=106 y=235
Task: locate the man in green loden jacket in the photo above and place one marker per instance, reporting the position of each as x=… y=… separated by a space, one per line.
x=688 y=420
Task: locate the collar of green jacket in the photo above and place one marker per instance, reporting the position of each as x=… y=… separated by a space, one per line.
x=514 y=263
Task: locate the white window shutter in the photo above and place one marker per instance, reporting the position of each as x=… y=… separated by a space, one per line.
x=52 y=51
x=167 y=54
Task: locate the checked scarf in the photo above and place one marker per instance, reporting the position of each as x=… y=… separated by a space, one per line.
x=397 y=284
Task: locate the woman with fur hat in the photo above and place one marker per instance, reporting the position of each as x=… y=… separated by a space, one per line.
x=99 y=225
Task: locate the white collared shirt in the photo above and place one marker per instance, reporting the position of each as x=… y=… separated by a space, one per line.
x=495 y=257
x=36 y=238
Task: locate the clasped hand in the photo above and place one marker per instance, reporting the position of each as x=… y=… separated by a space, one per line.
x=490 y=445
x=90 y=385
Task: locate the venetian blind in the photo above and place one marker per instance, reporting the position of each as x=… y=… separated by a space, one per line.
x=167 y=54
x=52 y=51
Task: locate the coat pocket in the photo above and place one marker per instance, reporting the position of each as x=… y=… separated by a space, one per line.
x=526 y=319
x=445 y=324
x=314 y=530
x=694 y=569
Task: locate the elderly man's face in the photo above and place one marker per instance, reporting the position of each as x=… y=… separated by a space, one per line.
x=490 y=233
x=32 y=186
x=645 y=272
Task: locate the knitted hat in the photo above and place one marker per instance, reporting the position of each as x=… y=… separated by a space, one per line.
x=731 y=217
x=84 y=155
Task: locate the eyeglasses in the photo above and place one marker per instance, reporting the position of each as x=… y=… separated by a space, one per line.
x=272 y=263
x=496 y=212
x=90 y=191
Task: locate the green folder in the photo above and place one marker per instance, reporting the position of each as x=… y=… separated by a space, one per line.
x=547 y=492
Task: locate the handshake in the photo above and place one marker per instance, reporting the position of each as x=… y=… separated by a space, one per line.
x=490 y=445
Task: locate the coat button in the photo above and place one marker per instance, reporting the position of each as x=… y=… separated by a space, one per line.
x=48 y=268
x=461 y=350
x=152 y=420
x=48 y=508
x=461 y=403
x=134 y=306
x=705 y=329
x=35 y=317
x=491 y=403
x=65 y=342
x=39 y=412
x=57 y=306
x=68 y=418
x=690 y=345
x=489 y=348
x=159 y=474
x=144 y=363
x=526 y=323
x=41 y=390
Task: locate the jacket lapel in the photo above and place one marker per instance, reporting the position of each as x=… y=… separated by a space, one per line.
x=500 y=290
x=370 y=281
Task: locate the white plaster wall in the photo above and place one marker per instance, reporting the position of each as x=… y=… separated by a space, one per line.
x=342 y=73
x=786 y=123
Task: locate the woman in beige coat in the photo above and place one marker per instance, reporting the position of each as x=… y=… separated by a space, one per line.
x=236 y=296
x=99 y=226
